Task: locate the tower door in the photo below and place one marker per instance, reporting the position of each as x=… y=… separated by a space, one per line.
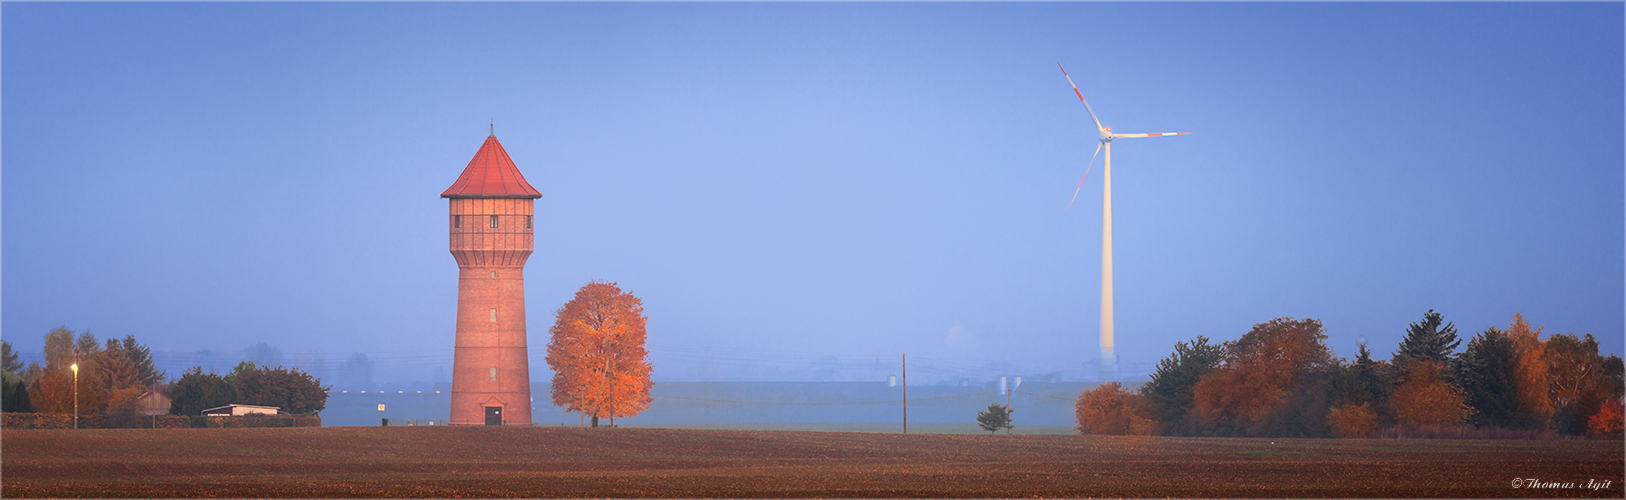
x=493 y=415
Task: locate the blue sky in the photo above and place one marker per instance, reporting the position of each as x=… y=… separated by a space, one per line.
x=803 y=191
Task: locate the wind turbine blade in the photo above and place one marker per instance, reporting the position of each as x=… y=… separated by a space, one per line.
x=1086 y=175
x=1133 y=136
x=1080 y=96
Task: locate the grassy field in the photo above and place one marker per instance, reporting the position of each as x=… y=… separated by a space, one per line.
x=575 y=462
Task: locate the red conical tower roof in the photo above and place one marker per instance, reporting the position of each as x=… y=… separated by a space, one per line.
x=491 y=174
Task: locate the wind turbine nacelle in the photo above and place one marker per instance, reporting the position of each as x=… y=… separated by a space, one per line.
x=1106 y=133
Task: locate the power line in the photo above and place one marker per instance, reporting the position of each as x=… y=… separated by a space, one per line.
x=1042 y=395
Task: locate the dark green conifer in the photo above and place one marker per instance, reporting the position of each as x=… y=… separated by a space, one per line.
x=1485 y=373
x=1170 y=389
x=1427 y=341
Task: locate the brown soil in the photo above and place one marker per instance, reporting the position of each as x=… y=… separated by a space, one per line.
x=574 y=462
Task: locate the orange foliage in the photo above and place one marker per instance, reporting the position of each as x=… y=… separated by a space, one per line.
x=1108 y=409
x=1609 y=421
x=597 y=354
x=1237 y=394
x=1425 y=398
x=1352 y=420
x=53 y=392
x=1530 y=383
x=1260 y=370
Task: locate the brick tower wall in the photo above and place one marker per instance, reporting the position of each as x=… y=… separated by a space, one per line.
x=491 y=309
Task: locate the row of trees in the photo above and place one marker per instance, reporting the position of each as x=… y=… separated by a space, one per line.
x=112 y=375
x=290 y=389
x=1280 y=379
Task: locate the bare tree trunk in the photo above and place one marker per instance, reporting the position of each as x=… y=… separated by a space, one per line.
x=598 y=395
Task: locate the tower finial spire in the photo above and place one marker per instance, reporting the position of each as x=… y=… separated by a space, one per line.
x=493 y=128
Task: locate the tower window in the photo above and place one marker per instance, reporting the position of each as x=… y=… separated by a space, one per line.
x=457 y=221
x=493 y=373
x=493 y=274
x=493 y=315
x=527 y=222
x=493 y=222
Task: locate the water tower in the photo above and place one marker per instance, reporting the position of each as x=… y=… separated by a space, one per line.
x=491 y=237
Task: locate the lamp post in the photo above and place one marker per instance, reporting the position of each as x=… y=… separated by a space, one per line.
x=75 y=368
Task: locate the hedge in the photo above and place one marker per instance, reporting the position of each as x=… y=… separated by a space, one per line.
x=132 y=421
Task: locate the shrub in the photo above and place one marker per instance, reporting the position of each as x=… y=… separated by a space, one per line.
x=1352 y=420
x=1108 y=409
x=1426 y=398
x=53 y=421
x=1608 y=422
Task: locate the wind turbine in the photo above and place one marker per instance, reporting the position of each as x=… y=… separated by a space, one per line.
x=1108 y=359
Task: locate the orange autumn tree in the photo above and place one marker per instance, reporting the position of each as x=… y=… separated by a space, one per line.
x=1425 y=397
x=1268 y=381
x=1108 y=409
x=1530 y=382
x=52 y=392
x=600 y=369
x=1352 y=420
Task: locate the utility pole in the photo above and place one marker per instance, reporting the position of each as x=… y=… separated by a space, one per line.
x=906 y=393
x=75 y=368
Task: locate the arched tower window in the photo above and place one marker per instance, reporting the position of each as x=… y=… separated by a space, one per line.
x=457 y=221
x=493 y=222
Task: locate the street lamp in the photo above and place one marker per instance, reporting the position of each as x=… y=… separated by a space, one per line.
x=75 y=368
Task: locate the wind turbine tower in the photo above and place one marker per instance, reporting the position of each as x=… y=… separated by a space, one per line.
x=1109 y=360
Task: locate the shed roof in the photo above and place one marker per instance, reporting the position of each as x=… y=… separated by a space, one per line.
x=491 y=174
x=231 y=407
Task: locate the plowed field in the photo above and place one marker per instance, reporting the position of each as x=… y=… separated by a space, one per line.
x=574 y=462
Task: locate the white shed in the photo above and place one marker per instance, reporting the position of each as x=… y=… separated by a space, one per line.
x=238 y=410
